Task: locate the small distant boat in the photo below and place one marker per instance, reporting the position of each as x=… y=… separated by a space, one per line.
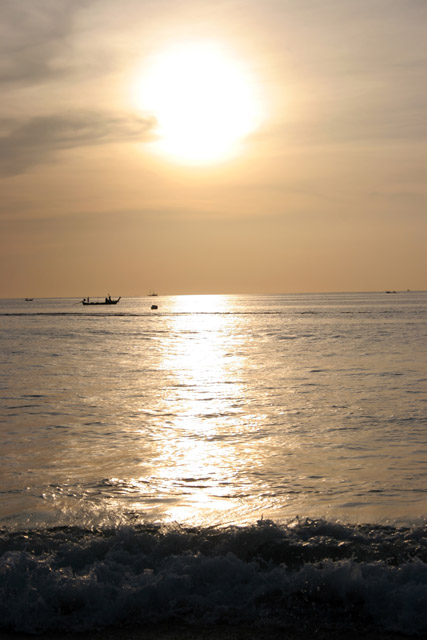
x=152 y=293
x=108 y=300
x=28 y=299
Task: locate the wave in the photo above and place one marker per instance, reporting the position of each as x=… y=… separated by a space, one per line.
x=308 y=574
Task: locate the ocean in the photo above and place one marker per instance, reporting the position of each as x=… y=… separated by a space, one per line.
x=220 y=462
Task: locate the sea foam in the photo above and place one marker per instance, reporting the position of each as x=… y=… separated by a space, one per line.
x=306 y=574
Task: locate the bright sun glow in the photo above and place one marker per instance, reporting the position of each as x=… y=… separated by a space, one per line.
x=203 y=99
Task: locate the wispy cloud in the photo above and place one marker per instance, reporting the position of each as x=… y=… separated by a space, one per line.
x=37 y=139
x=33 y=37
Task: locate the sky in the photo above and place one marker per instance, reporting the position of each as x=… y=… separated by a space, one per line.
x=193 y=147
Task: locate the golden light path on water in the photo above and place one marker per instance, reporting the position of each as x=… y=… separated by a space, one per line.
x=208 y=457
x=200 y=458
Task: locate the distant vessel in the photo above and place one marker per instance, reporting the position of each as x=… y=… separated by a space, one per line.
x=108 y=300
x=152 y=293
x=28 y=299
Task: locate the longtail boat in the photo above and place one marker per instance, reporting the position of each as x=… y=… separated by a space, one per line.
x=108 y=300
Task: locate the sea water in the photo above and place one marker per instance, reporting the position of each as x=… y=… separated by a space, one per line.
x=240 y=459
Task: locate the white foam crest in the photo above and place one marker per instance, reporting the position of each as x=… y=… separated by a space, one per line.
x=310 y=573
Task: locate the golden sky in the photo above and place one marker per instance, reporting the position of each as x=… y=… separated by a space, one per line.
x=235 y=146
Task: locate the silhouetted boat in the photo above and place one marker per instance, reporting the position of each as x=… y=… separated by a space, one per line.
x=108 y=300
x=152 y=293
x=28 y=299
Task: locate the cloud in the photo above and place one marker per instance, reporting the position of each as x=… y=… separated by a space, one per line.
x=37 y=139
x=33 y=36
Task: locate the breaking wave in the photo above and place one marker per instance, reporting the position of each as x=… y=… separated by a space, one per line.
x=309 y=574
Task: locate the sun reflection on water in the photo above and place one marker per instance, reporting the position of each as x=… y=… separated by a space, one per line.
x=205 y=442
x=206 y=393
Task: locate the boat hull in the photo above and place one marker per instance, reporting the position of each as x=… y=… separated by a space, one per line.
x=104 y=302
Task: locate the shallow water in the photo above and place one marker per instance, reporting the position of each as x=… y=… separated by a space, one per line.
x=152 y=460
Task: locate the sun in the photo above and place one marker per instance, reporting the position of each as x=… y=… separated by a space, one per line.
x=203 y=99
